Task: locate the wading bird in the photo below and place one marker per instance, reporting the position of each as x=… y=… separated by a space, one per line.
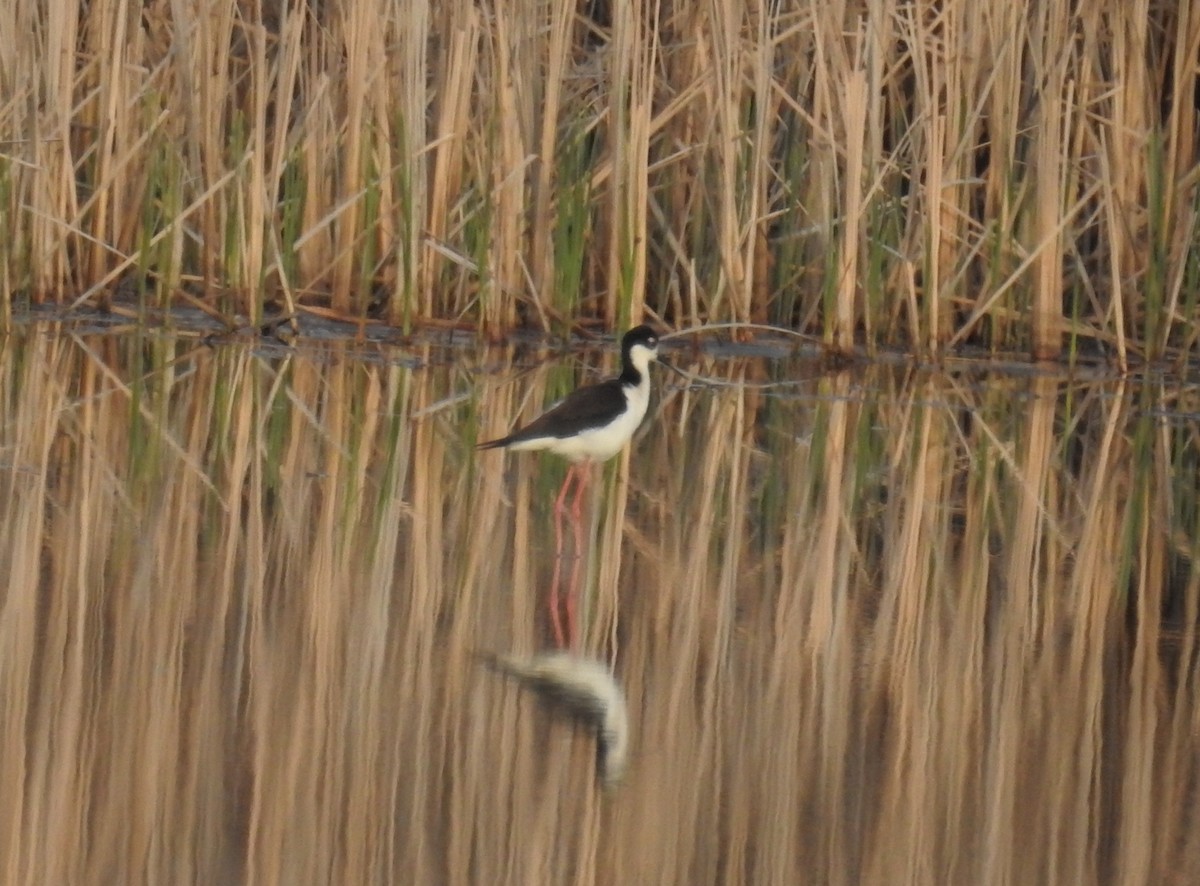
x=591 y=424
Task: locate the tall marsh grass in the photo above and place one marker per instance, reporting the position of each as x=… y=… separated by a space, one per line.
x=875 y=627
x=889 y=173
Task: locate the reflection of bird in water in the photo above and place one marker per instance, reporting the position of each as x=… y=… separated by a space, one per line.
x=587 y=689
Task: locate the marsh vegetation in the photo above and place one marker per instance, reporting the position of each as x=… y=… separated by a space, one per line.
x=876 y=624
x=1012 y=176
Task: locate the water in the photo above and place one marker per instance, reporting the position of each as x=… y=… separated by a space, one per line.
x=882 y=625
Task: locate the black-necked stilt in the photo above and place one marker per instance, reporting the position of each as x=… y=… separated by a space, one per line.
x=593 y=423
x=587 y=689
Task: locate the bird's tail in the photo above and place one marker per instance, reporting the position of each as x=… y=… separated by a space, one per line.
x=493 y=444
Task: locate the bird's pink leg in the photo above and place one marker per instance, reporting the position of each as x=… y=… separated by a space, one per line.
x=585 y=475
x=552 y=605
x=572 y=632
x=561 y=501
x=559 y=509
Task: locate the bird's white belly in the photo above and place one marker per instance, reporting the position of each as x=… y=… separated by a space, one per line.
x=602 y=443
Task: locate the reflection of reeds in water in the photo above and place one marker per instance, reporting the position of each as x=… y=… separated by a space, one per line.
x=872 y=628
x=587 y=689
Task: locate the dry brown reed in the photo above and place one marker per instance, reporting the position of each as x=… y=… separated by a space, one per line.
x=874 y=627
x=903 y=173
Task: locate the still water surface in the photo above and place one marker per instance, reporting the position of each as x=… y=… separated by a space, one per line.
x=877 y=625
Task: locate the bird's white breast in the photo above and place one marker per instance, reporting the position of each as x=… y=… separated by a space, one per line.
x=602 y=443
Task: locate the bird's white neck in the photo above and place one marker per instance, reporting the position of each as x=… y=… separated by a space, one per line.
x=640 y=358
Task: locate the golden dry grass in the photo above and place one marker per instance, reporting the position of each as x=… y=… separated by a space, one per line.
x=875 y=627
x=915 y=174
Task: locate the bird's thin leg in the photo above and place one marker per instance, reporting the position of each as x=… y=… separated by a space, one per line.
x=561 y=501
x=573 y=589
x=585 y=475
x=559 y=510
x=552 y=605
x=572 y=631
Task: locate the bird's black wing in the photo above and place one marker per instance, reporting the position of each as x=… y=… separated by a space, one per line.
x=585 y=408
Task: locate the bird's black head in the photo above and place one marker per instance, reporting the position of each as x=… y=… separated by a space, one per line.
x=639 y=348
x=640 y=336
